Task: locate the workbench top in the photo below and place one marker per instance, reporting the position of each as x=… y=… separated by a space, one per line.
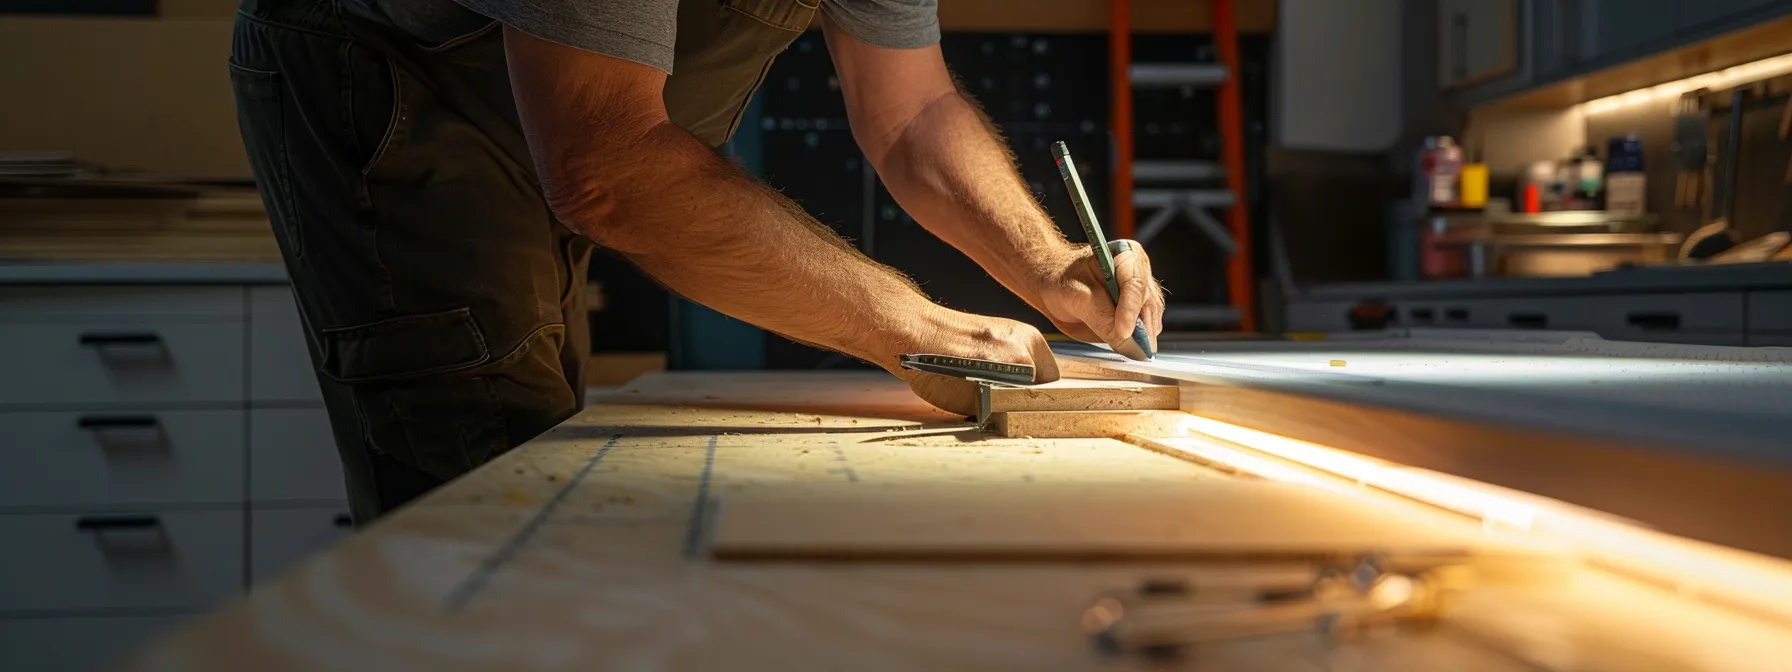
x=591 y=548
x=141 y=273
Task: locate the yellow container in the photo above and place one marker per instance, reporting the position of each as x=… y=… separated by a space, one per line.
x=1474 y=185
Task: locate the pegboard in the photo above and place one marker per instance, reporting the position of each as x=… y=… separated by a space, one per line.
x=1038 y=89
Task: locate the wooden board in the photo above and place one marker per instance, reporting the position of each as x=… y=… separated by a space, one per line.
x=1085 y=424
x=1070 y=394
x=1019 y=522
x=587 y=549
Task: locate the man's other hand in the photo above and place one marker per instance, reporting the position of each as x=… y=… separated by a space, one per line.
x=1075 y=298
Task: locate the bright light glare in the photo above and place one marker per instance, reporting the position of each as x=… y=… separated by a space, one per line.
x=1721 y=79
x=1755 y=582
x=1491 y=509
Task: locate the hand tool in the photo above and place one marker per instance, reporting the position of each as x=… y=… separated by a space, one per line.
x=976 y=370
x=1092 y=229
x=1340 y=602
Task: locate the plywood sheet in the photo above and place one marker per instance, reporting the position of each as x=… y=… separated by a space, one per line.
x=1217 y=520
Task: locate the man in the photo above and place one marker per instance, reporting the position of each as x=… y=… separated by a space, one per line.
x=438 y=173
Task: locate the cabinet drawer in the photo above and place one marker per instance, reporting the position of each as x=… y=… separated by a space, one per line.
x=1669 y=313
x=1770 y=311
x=127 y=559
x=293 y=457
x=78 y=644
x=279 y=363
x=78 y=459
x=142 y=362
x=1560 y=313
x=56 y=304
x=1329 y=316
x=282 y=537
x=1685 y=337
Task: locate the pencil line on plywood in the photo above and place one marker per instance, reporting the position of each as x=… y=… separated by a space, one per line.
x=693 y=534
x=464 y=592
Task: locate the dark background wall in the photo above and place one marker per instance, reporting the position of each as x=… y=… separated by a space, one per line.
x=1038 y=89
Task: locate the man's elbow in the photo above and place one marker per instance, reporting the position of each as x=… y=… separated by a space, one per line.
x=590 y=185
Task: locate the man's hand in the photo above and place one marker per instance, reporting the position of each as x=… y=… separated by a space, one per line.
x=949 y=332
x=1074 y=296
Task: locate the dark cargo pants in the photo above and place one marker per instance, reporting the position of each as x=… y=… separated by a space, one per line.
x=443 y=304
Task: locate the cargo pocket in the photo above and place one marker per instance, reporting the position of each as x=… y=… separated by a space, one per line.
x=261 y=117
x=412 y=404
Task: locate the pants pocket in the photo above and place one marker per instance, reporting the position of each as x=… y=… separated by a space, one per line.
x=413 y=388
x=261 y=118
x=445 y=427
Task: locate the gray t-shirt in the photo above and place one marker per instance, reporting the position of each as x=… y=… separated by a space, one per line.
x=642 y=31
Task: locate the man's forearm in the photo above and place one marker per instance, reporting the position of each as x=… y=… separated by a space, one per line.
x=949 y=168
x=706 y=230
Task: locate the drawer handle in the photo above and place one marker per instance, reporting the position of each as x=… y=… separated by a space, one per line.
x=116 y=523
x=1654 y=321
x=344 y=520
x=1456 y=314
x=1528 y=320
x=108 y=340
x=104 y=422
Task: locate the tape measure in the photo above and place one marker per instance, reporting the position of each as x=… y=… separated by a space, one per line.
x=969 y=368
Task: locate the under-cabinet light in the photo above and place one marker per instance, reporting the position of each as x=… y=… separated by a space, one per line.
x=1667 y=93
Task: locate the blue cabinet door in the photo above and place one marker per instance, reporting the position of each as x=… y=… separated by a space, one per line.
x=1692 y=15
x=1616 y=30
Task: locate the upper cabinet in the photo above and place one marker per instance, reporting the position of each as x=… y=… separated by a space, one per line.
x=1693 y=15
x=1478 y=41
x=1490 y=49
x=1613 y=28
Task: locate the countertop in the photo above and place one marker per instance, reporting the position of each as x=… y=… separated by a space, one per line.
x=141 y=273
x=1737 y=277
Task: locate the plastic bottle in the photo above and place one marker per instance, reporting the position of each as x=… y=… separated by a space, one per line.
x=1625 y=182
x=1589 y=178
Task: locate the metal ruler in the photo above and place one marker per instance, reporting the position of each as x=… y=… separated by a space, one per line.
x=982 y=370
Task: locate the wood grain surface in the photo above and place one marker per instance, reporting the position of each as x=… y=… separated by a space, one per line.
x=589 y=548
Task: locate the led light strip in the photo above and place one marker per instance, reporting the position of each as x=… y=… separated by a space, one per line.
x=1668 y=92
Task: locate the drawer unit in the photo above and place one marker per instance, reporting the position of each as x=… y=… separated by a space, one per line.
x=125 y=559
x=1774 y=340
x=148 y=362
x=78 y=643
x=282 y=537
x=109 y=459
x=279 y=364
x=83 y=302
x=1770 y=312
x=292 y=457
x=1661 y=315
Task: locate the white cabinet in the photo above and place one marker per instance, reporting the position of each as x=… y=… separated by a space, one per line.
x=161 y=448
